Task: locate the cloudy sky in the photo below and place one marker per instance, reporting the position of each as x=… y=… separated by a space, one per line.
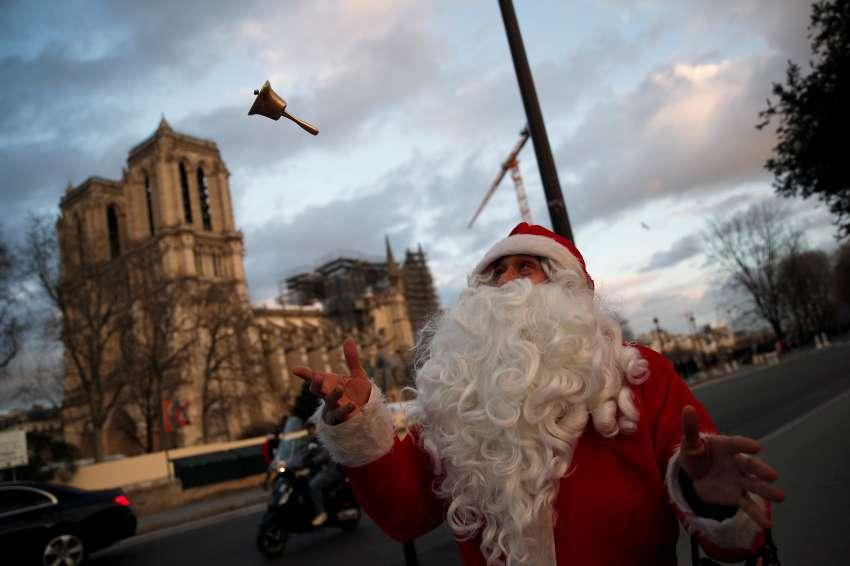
x=650 y=108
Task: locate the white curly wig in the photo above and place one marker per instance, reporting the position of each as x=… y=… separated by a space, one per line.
x=506 y=383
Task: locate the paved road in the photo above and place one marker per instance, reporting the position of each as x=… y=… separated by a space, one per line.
x=801 y=411
x=801 y=408
x=764 y=399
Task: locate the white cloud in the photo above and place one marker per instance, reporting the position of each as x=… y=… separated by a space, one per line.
x=649 y=106
x=684 y=128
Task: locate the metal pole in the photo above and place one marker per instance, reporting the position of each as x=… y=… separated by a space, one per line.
x=658 y=333
x=545 y=162
x=410 y=558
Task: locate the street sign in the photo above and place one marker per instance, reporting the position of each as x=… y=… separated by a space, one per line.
x=13 y=449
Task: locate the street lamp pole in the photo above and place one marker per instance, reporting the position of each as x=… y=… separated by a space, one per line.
x=545 y=162
x=658 y=333
x=696 y=338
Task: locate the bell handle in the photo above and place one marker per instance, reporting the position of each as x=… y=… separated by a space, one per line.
x=307 y=126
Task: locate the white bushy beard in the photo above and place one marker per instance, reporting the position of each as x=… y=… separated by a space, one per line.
x=506 y=384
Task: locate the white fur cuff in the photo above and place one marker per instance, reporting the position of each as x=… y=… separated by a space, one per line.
x=736 y=532
x=361 y=439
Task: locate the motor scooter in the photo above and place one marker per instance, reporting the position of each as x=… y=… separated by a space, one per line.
x=290 y=508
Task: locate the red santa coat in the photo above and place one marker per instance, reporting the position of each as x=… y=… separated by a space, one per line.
x=613 y=506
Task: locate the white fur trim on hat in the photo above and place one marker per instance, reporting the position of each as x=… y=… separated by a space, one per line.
x=363 y=438
x=736 y=532
x=530 y=244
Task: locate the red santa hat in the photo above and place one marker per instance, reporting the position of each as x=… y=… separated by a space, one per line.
x=531 y=239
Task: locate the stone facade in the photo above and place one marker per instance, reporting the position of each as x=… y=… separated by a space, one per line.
x=167 y=222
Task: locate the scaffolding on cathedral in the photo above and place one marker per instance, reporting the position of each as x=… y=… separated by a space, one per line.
x=345 y=285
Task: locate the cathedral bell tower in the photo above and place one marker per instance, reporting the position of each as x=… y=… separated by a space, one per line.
x=179 y=201
x=168 y=220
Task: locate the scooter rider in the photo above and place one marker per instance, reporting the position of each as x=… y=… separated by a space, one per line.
x=269 y=448
x=329 y=473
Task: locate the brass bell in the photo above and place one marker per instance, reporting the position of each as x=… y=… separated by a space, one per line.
x=269 y=104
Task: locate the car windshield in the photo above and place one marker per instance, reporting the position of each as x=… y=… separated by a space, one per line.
x=294 y=443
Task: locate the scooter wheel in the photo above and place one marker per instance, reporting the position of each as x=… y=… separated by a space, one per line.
x=349 y=525
x=271 y=540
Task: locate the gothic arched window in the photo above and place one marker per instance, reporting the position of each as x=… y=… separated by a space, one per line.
x=80 y=243
x=184 y=189
x=149 y=199
x=204 y=197
x=112 y=228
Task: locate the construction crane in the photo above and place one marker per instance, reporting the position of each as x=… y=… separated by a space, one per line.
x=510 y=164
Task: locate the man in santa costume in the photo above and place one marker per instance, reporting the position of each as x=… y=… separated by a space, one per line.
x=541 y=437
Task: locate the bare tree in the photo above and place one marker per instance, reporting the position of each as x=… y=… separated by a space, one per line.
x=11 y=328
x=805 y=277
x=746 y=251
x=841 y=274
x=157 y=352
x=229 y=363
x=92 y=305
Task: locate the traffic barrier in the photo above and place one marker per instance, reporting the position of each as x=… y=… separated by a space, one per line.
x=215 y=467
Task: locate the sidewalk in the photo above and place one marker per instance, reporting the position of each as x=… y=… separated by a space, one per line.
x=217 y=505
x=745 y=370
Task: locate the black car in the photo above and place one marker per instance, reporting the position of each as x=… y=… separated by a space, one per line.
x=48 y=524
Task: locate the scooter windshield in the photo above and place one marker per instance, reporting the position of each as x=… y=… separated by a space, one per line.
x=294 y=443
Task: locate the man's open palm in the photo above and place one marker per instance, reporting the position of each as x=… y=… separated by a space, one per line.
x=724 y=470
x=344 y=395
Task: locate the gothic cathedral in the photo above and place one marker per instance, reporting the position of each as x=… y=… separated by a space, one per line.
x=195 y=362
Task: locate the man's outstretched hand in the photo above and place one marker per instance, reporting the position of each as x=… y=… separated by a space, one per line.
x=343 y=394
x=724 y=470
